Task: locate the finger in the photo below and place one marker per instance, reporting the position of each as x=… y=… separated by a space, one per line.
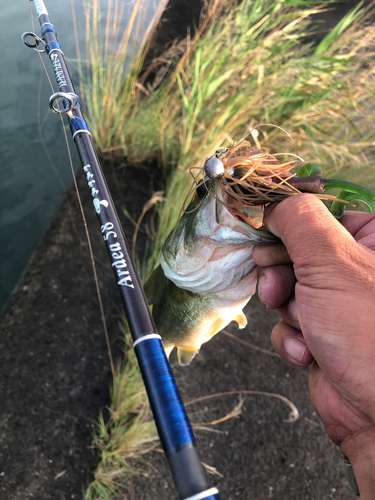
x=362 y=226
x=318 y=385
x=290 y=345
x=288 y=313
x=354 y=222
x=275 y=285
x=271 y=255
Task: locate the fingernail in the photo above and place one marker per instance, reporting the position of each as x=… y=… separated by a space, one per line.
x=295 y=349
x=293 y=311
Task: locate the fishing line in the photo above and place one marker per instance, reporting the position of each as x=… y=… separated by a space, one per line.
x=46 y=152
x=78 y=50
x=83 y=218
x=52 y=164
x=234 y=413
x=91 y=255
x=280 y=128
x=41 y=137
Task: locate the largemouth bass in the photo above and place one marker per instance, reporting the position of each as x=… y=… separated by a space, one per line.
x=206 y=274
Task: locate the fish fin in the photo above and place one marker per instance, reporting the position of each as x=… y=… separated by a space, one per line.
x=150 y=285
x=168 y=350
x=186 y=355
x=241 y=320
x=215 y=327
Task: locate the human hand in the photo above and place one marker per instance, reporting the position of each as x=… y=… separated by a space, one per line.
x=322 y=283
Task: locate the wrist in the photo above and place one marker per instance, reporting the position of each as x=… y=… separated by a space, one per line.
x=361 y=453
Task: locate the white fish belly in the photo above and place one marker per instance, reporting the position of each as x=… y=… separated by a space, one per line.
x=229 y=305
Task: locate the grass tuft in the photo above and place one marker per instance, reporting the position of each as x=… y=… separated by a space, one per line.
x=126 y=436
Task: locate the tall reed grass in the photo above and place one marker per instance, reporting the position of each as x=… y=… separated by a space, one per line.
x=248 y=63
x=117 y=41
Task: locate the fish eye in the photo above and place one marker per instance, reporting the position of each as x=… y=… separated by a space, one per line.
x=203 y=187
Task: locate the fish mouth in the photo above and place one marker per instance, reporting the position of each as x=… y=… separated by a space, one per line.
x=250 y=215
x=253 y=216
x=245 y=220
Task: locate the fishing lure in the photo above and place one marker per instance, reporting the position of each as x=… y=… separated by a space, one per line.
x=255 y=177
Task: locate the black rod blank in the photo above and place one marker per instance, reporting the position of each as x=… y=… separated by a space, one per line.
x=171 y=420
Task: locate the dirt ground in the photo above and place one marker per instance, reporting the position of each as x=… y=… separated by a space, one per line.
x=55 y=378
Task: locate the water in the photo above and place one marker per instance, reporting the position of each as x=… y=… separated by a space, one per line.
x=31 y=185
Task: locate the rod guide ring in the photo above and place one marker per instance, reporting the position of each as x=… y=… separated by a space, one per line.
x=67 y=96
x=36 y=43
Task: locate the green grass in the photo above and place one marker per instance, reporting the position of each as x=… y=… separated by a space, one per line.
x=247 y=64
x=127 y=435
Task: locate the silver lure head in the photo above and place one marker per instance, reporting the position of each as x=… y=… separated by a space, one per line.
x=214 y=167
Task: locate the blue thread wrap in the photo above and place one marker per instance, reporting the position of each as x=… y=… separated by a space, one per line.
x=169 y=412
x=47 y=27
x=77 y=125
x=53 y=46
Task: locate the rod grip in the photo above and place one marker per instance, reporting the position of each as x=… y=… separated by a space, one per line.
x=189 y=474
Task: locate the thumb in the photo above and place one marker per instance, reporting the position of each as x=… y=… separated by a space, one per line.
x=309 y=231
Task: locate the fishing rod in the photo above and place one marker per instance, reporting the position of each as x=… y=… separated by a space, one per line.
x=170 y=416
